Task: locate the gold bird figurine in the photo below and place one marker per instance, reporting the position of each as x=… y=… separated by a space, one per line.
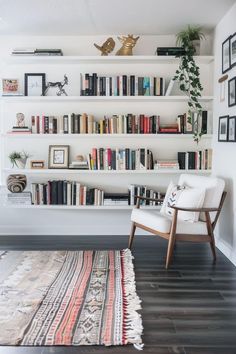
x=107 y=46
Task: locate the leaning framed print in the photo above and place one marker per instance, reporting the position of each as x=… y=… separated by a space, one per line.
x=231 y=129
x=223 y=128
x=233 y=50
x=58 y=156
x=226 y=55
x=232 y=92
x=35 y=84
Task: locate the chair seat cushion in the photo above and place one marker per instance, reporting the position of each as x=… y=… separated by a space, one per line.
x=162 y=223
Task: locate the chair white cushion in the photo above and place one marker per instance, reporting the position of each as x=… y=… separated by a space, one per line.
x=162 y=223
x=183 y=196
x=214 y=188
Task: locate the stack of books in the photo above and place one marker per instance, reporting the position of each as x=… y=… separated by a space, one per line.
x=116 y=199
x=79 y=165
x=144 y=191
x=122 y=85
x=58 y=192
x=195 y=160
x=35 y=51
x=168 y=128
x=166 y=164
x=174 y=51
x=20 y=130
x=120 y=159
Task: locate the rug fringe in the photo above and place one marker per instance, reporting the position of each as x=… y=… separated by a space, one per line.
x=132 y=320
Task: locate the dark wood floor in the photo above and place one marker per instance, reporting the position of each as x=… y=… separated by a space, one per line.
x=189 y=309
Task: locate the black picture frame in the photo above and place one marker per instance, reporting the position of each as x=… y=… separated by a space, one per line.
x=223 y=128
x=232 y=92
x=35 y=91
x=232 y=129
x=233 y=50
x=226 y=51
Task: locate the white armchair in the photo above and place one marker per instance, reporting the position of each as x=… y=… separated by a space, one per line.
x=203 y=201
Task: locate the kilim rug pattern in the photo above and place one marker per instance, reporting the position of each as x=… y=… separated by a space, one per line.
x=68 y=298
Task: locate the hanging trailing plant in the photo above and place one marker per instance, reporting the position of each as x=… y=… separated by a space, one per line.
x=188 y=77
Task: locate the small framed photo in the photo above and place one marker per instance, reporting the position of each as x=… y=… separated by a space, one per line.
x=58 y=156
x=232 y=92
x=231 y=129
x=226 y=55
x=10 y=87
x=35 y=84
x=223 y=128
x=37 y=164
x=233 y=50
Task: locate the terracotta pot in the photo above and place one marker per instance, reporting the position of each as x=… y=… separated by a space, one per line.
x=16 y=183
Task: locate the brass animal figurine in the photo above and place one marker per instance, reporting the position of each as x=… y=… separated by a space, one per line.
x=128 y=44
x=107 y=46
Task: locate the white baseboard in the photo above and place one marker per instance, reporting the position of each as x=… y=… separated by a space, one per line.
x=227 y=250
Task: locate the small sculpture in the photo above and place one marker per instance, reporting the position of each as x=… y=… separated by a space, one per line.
x=16 y=183
x=107 y=46
x=80 y=158
x=128 y=44
x=20 y=120
x=58 y=84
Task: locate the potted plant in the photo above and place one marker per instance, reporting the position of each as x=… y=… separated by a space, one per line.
x=188 y=76
x=192 y=35
x=18 y=159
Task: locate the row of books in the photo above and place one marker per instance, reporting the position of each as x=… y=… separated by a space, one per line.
x=116 y=124
x=195 y=160
x=122 y=85
x=62 y=192
x=120 y=159
x=144 y=191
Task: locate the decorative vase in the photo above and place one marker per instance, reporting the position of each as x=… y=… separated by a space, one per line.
x=196 y=45
x=16 y=183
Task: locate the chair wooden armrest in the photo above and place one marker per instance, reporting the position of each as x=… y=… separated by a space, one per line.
x=139 y=197
x=204 y=210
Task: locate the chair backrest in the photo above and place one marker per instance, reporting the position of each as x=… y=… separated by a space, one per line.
x=214 y=190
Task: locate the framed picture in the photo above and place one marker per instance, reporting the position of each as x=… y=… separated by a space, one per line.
x=10 y=87
x=232 y=92
x=233 y=50
x=37 y=164
x=223 y=128
x=231 y=129
x=35 y=84
x=226 y=55
x=58 y=156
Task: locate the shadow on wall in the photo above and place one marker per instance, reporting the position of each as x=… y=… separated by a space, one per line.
x=226 y=222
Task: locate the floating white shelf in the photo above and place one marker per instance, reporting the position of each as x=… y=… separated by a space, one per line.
x=95 y=59
x=112 y=172
x=24 y=99
x=103 y=136
x=80 y=207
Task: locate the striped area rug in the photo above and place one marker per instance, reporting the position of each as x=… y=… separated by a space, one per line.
x=68 y=298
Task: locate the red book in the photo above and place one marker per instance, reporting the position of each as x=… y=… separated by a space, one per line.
x=109 y=158
x=94 y=158
x=37 y=125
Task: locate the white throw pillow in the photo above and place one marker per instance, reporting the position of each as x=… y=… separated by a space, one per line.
x=185 y=197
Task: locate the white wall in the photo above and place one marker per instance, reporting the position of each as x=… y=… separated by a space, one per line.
x=23 y=221
x=224 y=157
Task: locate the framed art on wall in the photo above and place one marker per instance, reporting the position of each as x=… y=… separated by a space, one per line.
x=232 y=92
x=223 y=128
x=226 y=55
x=233 y=50
x=58 y=156
x=35 y=84
x=231 y=129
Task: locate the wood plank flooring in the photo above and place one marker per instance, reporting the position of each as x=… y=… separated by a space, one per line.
x=189 y=309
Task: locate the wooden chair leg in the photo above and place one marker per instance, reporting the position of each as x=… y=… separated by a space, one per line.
x=131 y=237
x=171 y=242
x=211 y=234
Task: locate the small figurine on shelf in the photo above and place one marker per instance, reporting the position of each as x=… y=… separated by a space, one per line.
x=128 y=44
x=20 y=120
x=107 y=47
x=59 y=84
